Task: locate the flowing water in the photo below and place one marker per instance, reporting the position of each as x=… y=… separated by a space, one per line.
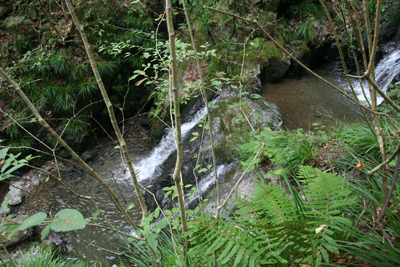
x=307 y=100
x=385 y=71
x=114 y=172
x=302 y=102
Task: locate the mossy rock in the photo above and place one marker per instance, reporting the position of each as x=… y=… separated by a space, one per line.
x=230 y=126
x=302 y=52
x=18 y=236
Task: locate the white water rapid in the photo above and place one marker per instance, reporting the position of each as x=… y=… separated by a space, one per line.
x=387 y=68
x=147 y=167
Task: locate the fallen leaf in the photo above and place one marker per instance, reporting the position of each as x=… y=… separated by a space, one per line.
x=360 y=165
x=319 y=229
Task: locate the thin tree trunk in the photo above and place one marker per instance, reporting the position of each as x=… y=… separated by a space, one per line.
x=175 y=92
x=109 y=108
x=45 y=125
x=205 y=99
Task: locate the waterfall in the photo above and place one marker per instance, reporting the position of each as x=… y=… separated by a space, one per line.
x=147 y=167
x=208 y=182
x=387 y=68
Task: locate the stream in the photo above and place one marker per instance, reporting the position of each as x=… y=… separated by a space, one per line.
x=302 y=102
x=307 y=100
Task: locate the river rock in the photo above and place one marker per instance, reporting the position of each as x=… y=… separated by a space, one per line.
x=275 y=68
x=88 y=155
x=35 y=179
x=18 y=236
x=302 y=52
x=16 y=194
x=227 y=130
x=228 y=127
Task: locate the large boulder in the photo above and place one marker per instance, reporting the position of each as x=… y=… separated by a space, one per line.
x=231 y=119
x=275 y=68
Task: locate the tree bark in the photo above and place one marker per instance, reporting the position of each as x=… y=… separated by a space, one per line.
x=178 y=135
x=110 y=109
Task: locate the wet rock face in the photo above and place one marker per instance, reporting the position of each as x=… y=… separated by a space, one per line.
x=274 y=69
x=226 y=131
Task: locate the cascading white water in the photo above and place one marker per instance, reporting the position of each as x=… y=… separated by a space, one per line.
x=147 y=166
x=208 y=182
x=387 y=68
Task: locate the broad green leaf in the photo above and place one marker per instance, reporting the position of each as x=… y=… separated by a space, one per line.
x=97 y=213
x=45 y=231
x=167 y=212
x=243 y=93
x=5 y=204
x=157 y=212
x=131 y=206
x=255 y=96
x=161 y=225
x=3 y=152
x=14 y=168
x=152 y=241
x=393 y=163
x=202 y=170
x=34 y=220
x=68 y=220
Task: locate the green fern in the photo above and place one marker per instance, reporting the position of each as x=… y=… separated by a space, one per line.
x=269 y=202
x=327 y=193
x=107 y=68
x=270 y=228
x=60 y=64
x=236 y=246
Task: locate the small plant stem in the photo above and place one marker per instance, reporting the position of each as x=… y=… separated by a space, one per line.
x=205 y=99
x=389 y=159
x=29 y=193
x=179 y=148
x=96 y=246
x=110 y=108
x=374 y=46
x=389 y=196
x=9 y=256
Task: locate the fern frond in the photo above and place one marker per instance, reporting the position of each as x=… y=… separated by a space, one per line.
x=271 y=204
x=235 y=246
x=327 y=194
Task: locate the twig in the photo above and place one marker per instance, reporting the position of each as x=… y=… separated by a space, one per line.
x=389 y=196
x=96 y=246
x=389 y=159
x=8 y=255
x=116 y=231
x=29 y=193
x=299 y=62
x=240 y=179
